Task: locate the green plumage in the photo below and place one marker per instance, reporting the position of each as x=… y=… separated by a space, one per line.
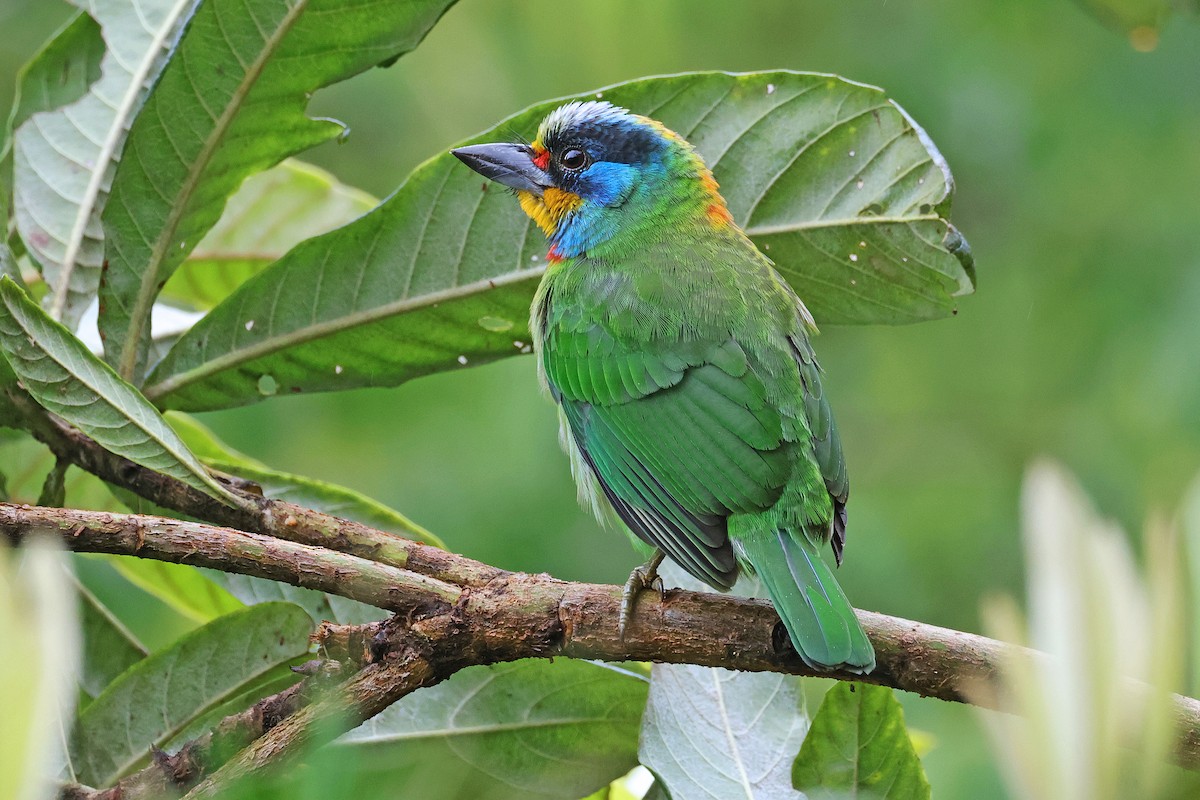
x=690 y=396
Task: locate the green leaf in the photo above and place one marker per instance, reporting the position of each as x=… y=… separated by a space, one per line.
x=65 y=378
x=108 y=646
x=229 y=103
x=308 y=492
x=525 y=729
x=272 y=213
x=831 y=178
x=857 y=747
x=184 y=588
x=63 y=159
x=164 y=693
x=61 y=72
x=319 y=605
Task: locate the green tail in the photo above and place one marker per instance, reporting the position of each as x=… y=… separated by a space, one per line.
x=819 y=618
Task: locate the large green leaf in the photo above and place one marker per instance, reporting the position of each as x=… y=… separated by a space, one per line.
x=229 y=103
x=64 y=377
x=858 y=749
x=164 y=693
x=715 y=733
x=831 y=178
x=63 y=158
x=272 y=213
x=530 y=729
x=108 y=647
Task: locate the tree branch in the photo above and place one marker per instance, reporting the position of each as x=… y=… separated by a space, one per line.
x=443 y=627
x=454 y=611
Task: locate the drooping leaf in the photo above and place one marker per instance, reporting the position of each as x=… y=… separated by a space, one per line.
x=831 y=178
x=272 y=213
x=64 y=158
x=65 y=378
x=858 y=747
x=108 y=646
x=164 y=693
x=229 y=103
x=527 y=729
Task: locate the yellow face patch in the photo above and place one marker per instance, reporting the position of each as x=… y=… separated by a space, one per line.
x=549 y=209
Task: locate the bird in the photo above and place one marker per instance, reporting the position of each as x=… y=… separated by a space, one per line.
x=689 y=396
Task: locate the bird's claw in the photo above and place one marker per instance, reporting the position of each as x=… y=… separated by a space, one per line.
x=644 y=577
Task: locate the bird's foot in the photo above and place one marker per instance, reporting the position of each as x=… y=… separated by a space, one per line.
x=643 y=577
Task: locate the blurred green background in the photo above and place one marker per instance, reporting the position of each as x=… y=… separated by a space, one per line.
x=1077 y=161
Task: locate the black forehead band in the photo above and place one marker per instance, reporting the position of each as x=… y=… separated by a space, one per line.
x=623 y=143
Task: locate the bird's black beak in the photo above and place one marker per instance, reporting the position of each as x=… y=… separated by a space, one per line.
x=509 y=164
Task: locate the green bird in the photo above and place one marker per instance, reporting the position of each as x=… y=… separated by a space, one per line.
x=690 y=397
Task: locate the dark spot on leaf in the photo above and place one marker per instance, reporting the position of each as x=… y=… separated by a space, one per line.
x=925 y=208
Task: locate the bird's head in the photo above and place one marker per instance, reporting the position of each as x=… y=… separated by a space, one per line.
x=596 y=171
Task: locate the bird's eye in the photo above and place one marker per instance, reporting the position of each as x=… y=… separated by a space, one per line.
x=574 y=158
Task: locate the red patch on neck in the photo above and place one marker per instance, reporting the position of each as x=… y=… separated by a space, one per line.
x=554 y=257
x=541 y=158
x=719 y=214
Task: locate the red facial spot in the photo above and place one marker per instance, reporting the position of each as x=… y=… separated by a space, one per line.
x=541 y=158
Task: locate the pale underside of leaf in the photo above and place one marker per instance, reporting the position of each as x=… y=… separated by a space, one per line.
x=715 y=734
x=65 y=378
x=833 y=180
x=64 y=159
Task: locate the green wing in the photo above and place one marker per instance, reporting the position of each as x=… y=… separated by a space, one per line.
x=678 y=438
x=826 y=443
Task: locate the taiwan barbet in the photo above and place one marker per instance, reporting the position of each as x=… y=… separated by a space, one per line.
x=690 y=398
